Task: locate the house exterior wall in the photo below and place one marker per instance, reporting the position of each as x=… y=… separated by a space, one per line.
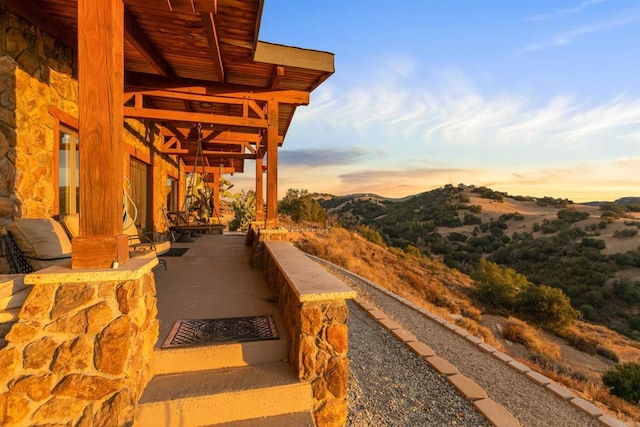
x=37 y=72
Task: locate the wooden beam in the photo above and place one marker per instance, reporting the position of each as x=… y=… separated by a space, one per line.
x=271 y=220
x=276 y=76
x=208 y=21
x=227 y=154
x=294 y=57
x=136 y=82
x=216 y=194
x=209 y=169
x=259 y=190
x=181 y=116
x=141 y=43
x=100 y=70
x=31 y=11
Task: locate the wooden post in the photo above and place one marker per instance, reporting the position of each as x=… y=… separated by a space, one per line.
x=100 y=77
x=216 y=194
x=259 y=188
x=272 y=164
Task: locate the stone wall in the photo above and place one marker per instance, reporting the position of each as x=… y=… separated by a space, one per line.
x=36 y=72
x=319 y=344
x=79 y=353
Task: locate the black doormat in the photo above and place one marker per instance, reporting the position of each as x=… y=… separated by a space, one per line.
x=175 y=252
x=186 y=333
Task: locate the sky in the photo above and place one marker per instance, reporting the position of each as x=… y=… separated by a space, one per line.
x=538 y=98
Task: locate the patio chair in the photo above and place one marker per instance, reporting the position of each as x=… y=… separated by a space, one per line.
x=139 y=244
x=35 y=243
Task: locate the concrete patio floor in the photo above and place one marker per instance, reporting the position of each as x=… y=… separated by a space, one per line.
x=213 y=279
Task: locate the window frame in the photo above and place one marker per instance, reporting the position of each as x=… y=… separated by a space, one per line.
x=62 y=120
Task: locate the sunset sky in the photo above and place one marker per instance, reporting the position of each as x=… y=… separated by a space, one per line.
x=537 y=98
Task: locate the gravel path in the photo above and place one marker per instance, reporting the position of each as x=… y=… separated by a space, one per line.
x=391 y=386
x=531 y=404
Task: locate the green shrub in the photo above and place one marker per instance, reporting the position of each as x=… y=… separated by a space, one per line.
x=624 y=381
x=547 y=306
x=244 y=209
x=572 y=215
x=497 y=286
x=627 y=232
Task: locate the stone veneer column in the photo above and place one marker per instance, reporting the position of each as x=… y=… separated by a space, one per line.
x=80 y=351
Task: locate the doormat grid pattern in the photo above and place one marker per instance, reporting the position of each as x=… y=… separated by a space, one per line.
x=186 y=333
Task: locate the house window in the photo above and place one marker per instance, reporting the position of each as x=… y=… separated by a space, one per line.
x=68 y=171
x=140 y=180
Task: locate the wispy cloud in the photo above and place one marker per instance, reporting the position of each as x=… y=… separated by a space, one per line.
x=455 y=113
x=569 y=36
x=319 y=157
x=566 y=11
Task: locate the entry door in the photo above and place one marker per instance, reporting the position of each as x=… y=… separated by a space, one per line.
x=140 y=177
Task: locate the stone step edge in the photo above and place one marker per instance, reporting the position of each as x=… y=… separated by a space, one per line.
x=553 y=387
x=218 y=356
x=467 y=388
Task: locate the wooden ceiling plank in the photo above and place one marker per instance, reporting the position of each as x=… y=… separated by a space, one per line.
x=141 y=43
x=30 y=10
x=181 y=116
x=208 y=21
x=175 y=6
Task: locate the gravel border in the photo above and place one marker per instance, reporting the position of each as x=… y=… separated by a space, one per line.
x=531 y=403
x=391 y=386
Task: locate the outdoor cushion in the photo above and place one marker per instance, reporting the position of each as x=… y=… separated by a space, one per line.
x=43 y=241
x=72 y=223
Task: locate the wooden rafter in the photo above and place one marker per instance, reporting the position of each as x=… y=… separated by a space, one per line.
x=138 y=82
x=208 y=21
x=210 y=169
x=181 y=116
x=276 y=76
x=144 y=46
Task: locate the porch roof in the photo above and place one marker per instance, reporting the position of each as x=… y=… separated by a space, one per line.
x=200 y=61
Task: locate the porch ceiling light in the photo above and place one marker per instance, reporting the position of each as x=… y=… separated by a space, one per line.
x=206 y=104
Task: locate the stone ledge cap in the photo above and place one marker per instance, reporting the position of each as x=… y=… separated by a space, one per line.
x=497 y=414
x=134 y=269
x=309 y=281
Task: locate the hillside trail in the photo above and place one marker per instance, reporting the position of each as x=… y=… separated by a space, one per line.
x=531 y=404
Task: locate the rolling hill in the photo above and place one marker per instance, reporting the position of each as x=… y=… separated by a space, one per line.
x=591 y=252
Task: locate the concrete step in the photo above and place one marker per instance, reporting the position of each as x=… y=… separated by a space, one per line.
x=207 y=357
x=223 y=395
x=300 y=419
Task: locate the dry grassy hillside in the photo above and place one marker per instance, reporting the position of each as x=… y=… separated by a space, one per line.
x=448 y=292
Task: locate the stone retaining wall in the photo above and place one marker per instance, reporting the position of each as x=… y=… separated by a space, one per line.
x=319 y=344
x=80 y=352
